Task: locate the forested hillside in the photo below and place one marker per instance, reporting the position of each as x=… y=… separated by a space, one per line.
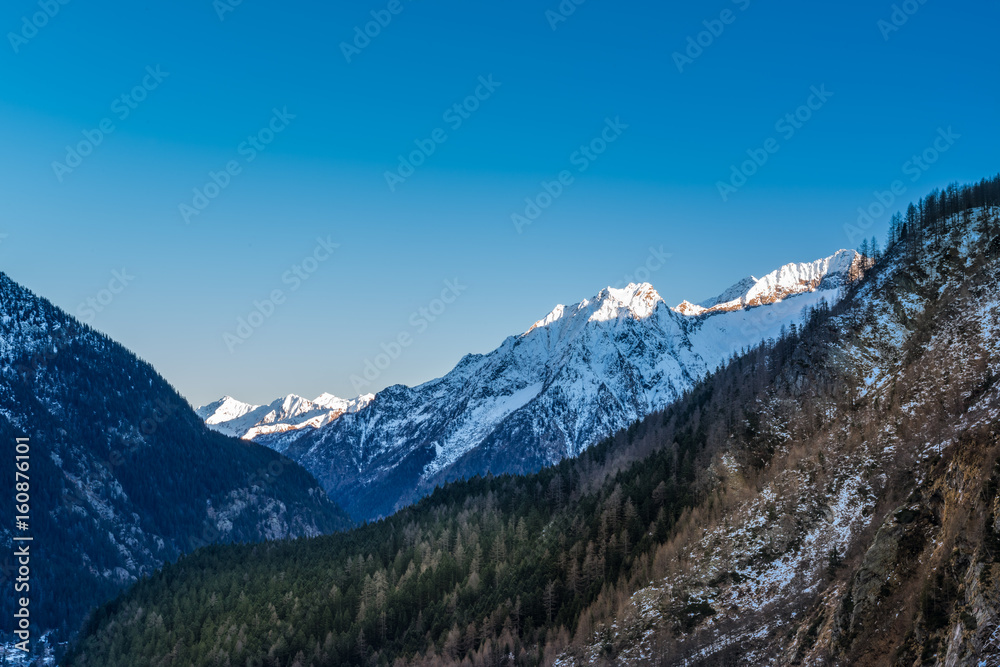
x=827 y=497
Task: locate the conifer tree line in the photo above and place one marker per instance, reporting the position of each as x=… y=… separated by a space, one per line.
x=928 y=216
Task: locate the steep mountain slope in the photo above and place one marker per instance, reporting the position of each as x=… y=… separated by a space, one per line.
x=575 y=376
x=124 y=475
x=826 y=498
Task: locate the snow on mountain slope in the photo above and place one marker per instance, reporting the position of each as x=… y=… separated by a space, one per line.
x=575 y=376
x=236 y=418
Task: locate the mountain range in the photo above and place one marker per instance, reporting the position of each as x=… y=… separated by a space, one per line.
x=572 y=378
x=829 y=497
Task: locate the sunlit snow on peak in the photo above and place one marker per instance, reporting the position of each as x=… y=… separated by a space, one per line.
x=556 y=314
x=786 y=281
x=635 y=300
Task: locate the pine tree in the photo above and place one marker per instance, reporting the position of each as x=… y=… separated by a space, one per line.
x=549 y=599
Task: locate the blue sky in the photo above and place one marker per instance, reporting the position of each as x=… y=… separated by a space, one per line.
x=554 y=87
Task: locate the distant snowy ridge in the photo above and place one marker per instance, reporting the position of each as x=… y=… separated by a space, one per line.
x=243 y=420
x=789 y=280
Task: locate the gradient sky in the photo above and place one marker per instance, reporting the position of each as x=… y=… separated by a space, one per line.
x=324 y=174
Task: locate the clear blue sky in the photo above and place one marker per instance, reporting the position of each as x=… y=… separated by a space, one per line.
x=323 y=175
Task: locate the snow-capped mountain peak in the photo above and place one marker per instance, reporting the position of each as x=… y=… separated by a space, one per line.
x=733 y=292
x=554 y=315
x=634 y=301
x=227 y=408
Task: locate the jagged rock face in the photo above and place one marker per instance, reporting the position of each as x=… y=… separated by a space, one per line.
x=124 y=475
x=575 y=376
x=936 y=558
